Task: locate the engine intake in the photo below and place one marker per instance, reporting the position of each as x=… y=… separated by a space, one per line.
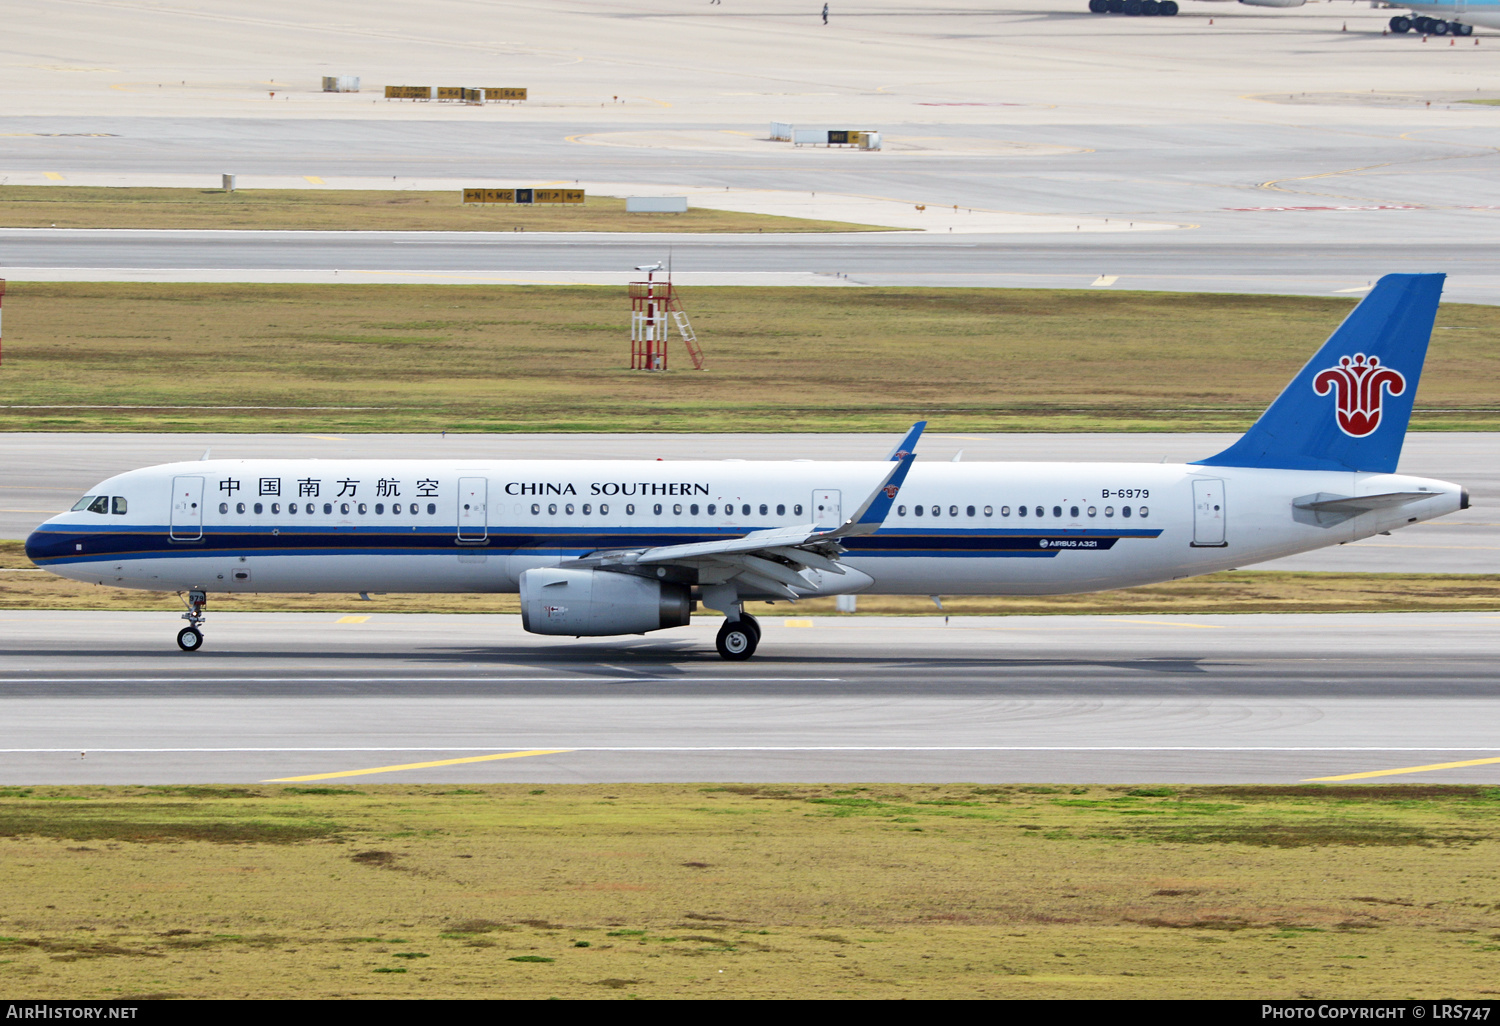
x=595 y=603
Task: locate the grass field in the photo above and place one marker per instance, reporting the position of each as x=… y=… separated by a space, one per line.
x=630 y=890
x=1260 y=591
x=206 y=357
x=47 y=206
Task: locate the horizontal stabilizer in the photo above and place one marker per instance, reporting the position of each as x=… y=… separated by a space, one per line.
x=1326 y=510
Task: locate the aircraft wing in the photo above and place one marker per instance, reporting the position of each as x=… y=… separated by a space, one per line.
x=775 y=559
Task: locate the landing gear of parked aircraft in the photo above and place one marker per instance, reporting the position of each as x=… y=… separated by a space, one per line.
x=190 y=638
x=1430 y=26
x=1135 y=8
x=738 y=638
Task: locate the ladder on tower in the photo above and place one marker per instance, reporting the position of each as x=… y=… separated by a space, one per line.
x=685 y=330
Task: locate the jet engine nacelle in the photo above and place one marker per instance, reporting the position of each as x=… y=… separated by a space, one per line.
x=1274 y=3
x=594 y=603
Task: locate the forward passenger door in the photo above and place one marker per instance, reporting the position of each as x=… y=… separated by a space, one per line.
x=186 y=522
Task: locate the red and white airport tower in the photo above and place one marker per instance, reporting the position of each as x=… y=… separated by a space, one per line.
x=654 y=310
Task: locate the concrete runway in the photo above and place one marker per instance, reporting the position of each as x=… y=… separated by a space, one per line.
x=1289 y=262
x=1299 y=151
x=107 y=698
x=42 y=474
x=1305 y=158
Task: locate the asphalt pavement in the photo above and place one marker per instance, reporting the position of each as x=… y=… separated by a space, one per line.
x=366 y=698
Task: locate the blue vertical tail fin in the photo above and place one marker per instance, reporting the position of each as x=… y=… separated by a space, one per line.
x=1349 y=407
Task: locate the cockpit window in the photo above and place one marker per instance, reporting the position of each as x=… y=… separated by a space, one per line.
x=100 y=504
x=83 y=503
x=120 y=505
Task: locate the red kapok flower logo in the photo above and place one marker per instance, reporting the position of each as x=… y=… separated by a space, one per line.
x=1360 y=384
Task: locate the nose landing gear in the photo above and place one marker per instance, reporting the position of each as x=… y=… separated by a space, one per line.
x=190 y=638
x=738 y=639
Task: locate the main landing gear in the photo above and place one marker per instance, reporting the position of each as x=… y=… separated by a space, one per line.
x=1401 y=24
x=190 y=638
x=738 y=638
x=1134 y=8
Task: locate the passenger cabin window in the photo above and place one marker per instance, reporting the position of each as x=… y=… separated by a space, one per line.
x=1057 y=512
x=1021 y=510
x=989 y=511
x=797 y=510
x=630 y=509
x=677 y=509
x=1124 y=511
x=536 y=508
x=1004 y=511
x=1109 y=511
x=781 y=509
x=223 y=508
x=764 y=509
x=953 y=511
x=917 y=510
x=971 y=511
x=900 y=510
x=239 y=507
x=1144 y=512
x=1073 y=512
x=657 y=509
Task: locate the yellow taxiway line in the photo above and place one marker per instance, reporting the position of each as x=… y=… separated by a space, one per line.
x=1405 y=769
x=418 y=765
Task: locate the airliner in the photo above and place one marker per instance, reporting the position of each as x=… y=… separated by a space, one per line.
x=616 y=547
x=1167 y=8
x=1461 y=15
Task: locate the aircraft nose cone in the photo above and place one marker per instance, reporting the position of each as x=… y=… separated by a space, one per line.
x=42 y=544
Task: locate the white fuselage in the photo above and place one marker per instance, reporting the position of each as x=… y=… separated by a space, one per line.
x=475 y=525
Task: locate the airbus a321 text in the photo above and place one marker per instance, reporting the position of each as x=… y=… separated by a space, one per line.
x=600 y=548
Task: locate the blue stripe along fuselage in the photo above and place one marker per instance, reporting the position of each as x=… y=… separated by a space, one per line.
x=76 y=544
